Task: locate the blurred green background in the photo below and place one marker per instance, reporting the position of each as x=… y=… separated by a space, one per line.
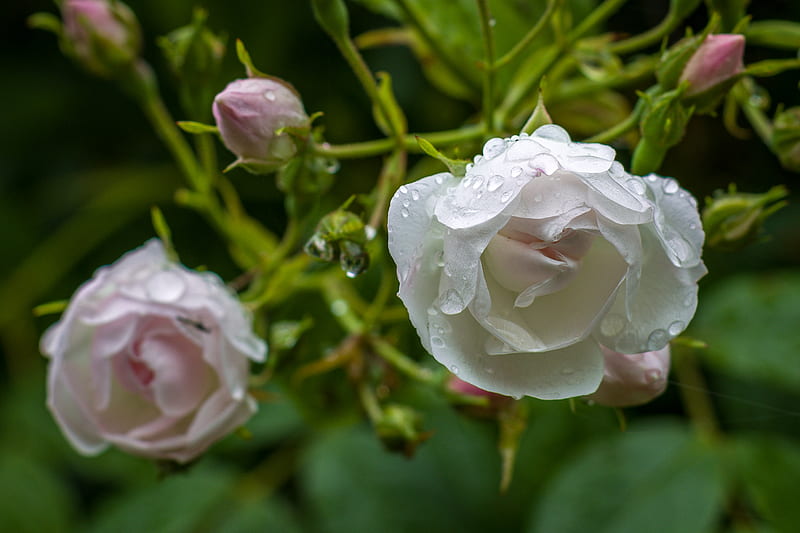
x=79 y=170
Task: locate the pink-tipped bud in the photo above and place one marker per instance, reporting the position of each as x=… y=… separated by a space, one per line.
x=632 y=379
x=249 y=115
x=102 y=36
x=717 y=62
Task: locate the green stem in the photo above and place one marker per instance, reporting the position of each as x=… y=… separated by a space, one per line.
x=488 y=71
x=694 y=397
x=549 y=56
x=409 y=143
x=617 y=130
x=648 y=38
x=369 y=402
x=402 y=363
x=526 y=41
x=758 y=119
x=449 y=63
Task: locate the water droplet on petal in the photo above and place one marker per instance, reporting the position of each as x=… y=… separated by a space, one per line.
x=439 y=180
x=517 y=396
x=432 y=311
x=270 y=95
x=657 y=340
x=453 y=368
x=496 y=181
x=165 y=286
x=477 y=183
x=567 y=371
x=612 y=325
x=415 y=195
x=404 y=212
x=406 y=202
x=670 y=186
x=469 y=166
x=493 y=148
x=370 y=232
x=467 y=181
x=676 y=327
x=489 y=370
x=652 y=376
x=506 y=196
x=637 y=186
x=438 y=342
x=516 y=172
x=403 y=189
x=451 y=303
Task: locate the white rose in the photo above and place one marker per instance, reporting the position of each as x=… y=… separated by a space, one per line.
x=152 y=358
x=516 y=274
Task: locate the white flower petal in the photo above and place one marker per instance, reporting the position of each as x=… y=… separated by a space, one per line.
x=73 y=418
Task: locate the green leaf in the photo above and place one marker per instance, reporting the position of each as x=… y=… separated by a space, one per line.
x=34 y=500
x=768 y=469
x=45 y=21
x=260 y=517
x=197 y=127
x=775 y=33
x=457 y=167
x=182 y=503
x=395 y=122
x=634 y=482
x=750 y=325
x=333 y=17
x=247 y=61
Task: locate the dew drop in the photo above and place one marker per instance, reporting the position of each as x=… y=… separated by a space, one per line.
x=517 y=396
x=406 y=203
x=477 y=183
x=495 y=182
x=493 y=148
x=452 y=302
x=270 y=95
x=636 y=186
x=692 y=226
x=652 y=376
x=453 y=368
x=489 y=370
x=432 y=311
x=165 y=286
x=469 y=166
x=612 y=325
x=516 y=172
x=352 y=273
x=439 y=180
x=370 y=232
x=506 y=196
x=676 y=327
x=339 y=307
x=440 y=259
x=567 y=371
x=415 y=195
x=670 y=186
x=467 y=181
x=657 y=340
x=403 y=189
x=651 y=178
x=404 y=212
x=437 y=342
x=688 y=301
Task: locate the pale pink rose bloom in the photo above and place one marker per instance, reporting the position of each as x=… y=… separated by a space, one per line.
x=100 y=35
x=151 y=357
x=632 y=379
x=719 y=59
x=249 y=112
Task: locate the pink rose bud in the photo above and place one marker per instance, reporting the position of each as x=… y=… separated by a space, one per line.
x=459 y=386
x=151 y=357
x=716 y=62
x=632 y=379
x=102 y=36
x=249 y=115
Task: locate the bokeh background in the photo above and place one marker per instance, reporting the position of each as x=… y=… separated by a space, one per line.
x=79 y=170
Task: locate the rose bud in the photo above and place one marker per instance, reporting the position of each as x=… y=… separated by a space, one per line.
x=249 y=115
x=735 y=219
x=632 y=379
x=517 y=273
x=713 y=69
x=102 y=36
x=151 y=357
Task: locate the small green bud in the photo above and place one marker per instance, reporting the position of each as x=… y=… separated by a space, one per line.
x=786 y=138
x=733 y=220
x=665 y=118
x=332 y=16
x=341 y=236
x=400 y=429
x=194 y=52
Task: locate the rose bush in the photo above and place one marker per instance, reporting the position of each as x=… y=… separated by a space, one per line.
x=151 y=357
x=516 y=274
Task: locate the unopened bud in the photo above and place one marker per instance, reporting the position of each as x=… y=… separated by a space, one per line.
x=733 y=220
x=194 y=52
x=663 y=124
x=786 y=138
x=255 y=117
x=632 y=379
x=714 y=67
x=103 y=36
x=341 y=236
x=400 y=429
